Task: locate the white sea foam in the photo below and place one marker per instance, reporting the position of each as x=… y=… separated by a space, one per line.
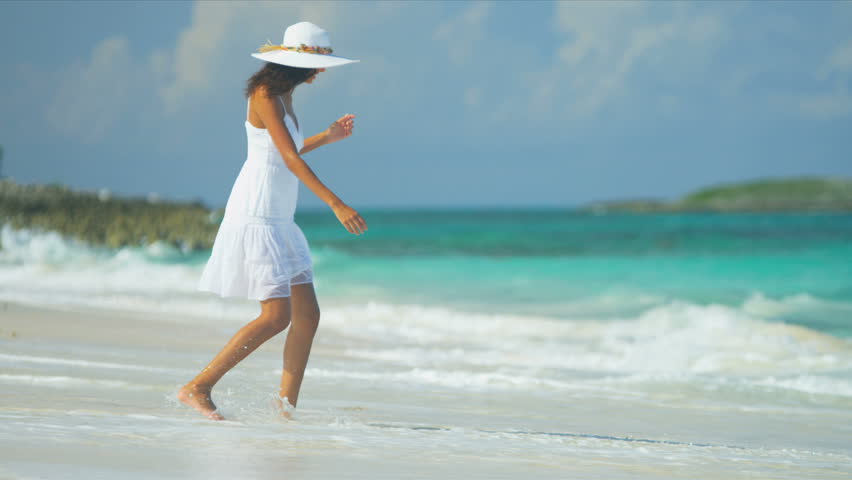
x=812 y=384
x=760 y=305
x=61 y=381
x=677 y=337
x=663 y=337
x=44 y=268
x=12 y=359
x=713 y=338
x=445 y=378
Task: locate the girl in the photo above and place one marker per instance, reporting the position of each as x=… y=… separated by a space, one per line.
x=259 y=252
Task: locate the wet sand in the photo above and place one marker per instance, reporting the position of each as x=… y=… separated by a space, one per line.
x=90 y=394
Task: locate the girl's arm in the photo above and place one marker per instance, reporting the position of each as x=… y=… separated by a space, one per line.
x=339 y=129
x=314 y=141
x=270 y=113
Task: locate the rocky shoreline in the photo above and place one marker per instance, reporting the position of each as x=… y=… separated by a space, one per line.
x=100 y=218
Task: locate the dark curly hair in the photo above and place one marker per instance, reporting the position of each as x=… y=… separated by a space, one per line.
x=278 y=79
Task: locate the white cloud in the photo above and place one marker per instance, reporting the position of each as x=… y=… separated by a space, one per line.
x=462 y=32
x=821 y=79
x=604 y=43
x=826 y=105
x=90 y=96
x=462 y=35
x=837 y=102
x=607 y=54
x=472 y=96
x=594 y=27
x=607 y=44
x=197 y=47
x=834 y=100
x=93 y=95
x=839 y=61
x=731 y=85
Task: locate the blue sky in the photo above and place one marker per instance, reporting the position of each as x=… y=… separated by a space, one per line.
x=456 y=103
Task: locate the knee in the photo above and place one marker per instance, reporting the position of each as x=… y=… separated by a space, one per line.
x=275 y=321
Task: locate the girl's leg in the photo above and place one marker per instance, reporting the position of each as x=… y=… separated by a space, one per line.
x=273 y=319
x=305 y=316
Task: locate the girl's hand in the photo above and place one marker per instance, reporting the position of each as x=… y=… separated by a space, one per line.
x=341 y=128
x=350 y=219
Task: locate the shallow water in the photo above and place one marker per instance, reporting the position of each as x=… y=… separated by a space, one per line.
x=620 y=347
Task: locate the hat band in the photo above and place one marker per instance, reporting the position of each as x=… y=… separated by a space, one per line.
x=301 y=48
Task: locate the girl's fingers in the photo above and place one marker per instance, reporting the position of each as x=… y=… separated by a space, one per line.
x=350 y=225
x=361 y=224
x=355 y=225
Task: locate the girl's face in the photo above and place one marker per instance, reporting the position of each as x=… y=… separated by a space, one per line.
x=312 y=77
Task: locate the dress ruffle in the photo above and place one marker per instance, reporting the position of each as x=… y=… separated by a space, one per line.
x=256 y=260
x=259 y=251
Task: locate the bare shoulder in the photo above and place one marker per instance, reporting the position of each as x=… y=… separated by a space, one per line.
x=261 y=95
x=270 y=112
x=262 y=107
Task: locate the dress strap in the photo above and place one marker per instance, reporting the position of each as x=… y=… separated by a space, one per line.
x=286 y=114
x=248 y=102
x=283 y=108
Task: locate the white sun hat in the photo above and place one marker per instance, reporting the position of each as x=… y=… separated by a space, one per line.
x=305 y=45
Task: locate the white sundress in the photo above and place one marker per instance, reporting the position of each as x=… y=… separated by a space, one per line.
x=259 y=251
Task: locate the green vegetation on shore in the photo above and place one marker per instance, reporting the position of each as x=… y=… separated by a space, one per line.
x=806 y=194
x=99 y=218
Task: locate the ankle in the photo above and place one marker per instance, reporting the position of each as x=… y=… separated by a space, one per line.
x=198 y=387
x=286 y=401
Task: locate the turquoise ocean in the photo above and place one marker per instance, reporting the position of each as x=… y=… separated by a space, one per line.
x=782 y=268
x=786 y=268
x=704 y=343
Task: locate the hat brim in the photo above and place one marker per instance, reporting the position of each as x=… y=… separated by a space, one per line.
x=302 y=59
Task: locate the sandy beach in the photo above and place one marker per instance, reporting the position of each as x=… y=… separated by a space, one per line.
x=548 y=240
x=90 y=394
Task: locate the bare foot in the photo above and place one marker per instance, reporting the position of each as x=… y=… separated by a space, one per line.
x=199 y=399
x=284 y=410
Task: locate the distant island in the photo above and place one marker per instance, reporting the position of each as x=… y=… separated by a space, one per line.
x=804 y=194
